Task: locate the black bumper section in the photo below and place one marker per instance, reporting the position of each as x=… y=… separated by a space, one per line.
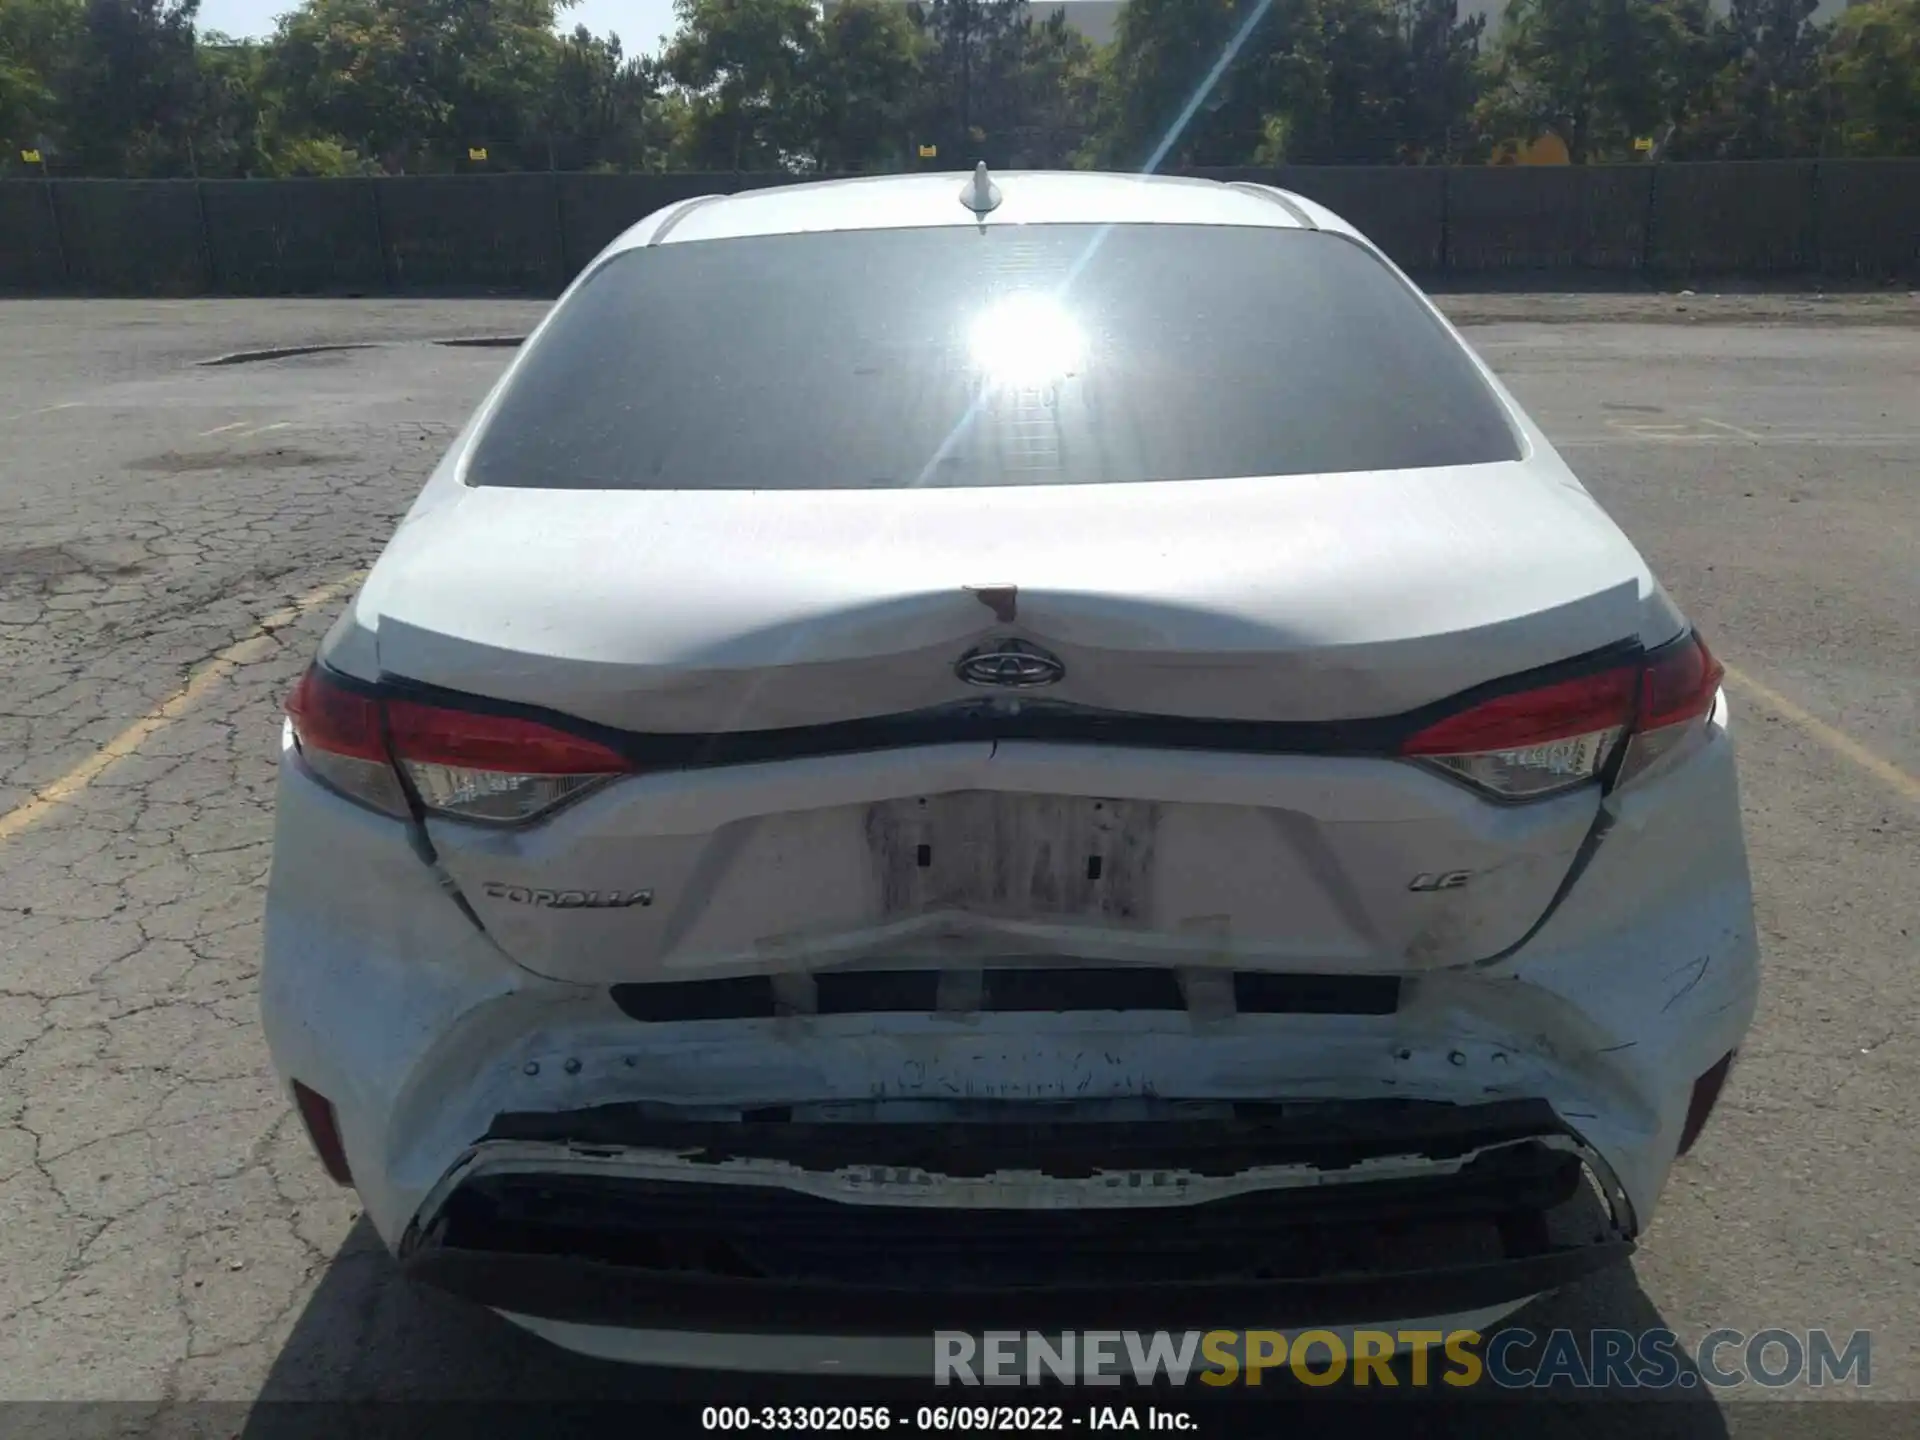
x=589 y=1292
x=593 y=1245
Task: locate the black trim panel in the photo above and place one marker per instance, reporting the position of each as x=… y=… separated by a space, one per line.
x=1057 y=990
x=592 y=1293
x=1038 y=720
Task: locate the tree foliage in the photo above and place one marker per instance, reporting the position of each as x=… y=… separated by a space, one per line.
x=1872 y=70
x=1598 y=73
x=865 y=87
x=745 y=69
x=131 y=87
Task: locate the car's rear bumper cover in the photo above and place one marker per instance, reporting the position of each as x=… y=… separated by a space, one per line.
x=380 y=995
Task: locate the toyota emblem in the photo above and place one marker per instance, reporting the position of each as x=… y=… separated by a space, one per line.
x=1009 y=665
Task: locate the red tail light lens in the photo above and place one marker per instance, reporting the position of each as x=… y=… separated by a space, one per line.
x=1681 y=686
x=492 y=768
x=1682 y=681
x=339 y=733
x=1533 y=743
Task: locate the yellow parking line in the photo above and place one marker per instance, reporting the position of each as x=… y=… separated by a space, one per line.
x=1842 y=744
x=47 y=409
x=263 y=429
x=50 y=797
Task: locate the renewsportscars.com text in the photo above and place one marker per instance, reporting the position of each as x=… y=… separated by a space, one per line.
x=1512 y=1359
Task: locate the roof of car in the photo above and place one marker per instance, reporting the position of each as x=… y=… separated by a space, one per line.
x=1027 y=197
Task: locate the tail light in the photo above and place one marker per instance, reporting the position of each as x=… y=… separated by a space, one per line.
x=1678 y=692
x=342 y=739
x=496 y=769
x=1532 y=743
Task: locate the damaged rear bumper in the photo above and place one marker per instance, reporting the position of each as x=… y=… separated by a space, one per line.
x=1273 y=1216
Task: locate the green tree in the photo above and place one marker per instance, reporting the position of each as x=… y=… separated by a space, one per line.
x=125 y=86
x=1597 y=73
x=232 y=124
x=416 y=81
x=965 y=42
x=1194 y=82
x=1343 y=98
x=35 y=38
x=1872 y=70
x=1440 y=81
x=1000 y=87
x=745 y=71
x=1763 y=98
x=600 y=109
x=866 y=77
x=1056 y=92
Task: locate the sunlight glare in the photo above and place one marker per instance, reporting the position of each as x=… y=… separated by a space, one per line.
x=1025 y=342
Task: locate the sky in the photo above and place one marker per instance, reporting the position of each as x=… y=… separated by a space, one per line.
x=640 y=24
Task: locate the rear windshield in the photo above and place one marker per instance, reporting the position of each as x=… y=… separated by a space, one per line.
x=995 y=355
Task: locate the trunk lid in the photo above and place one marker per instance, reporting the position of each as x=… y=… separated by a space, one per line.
x=1293 y=599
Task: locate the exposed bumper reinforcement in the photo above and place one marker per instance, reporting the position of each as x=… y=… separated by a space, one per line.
x=1329 y=1214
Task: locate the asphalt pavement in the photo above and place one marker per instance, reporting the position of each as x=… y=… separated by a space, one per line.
x=175 y=536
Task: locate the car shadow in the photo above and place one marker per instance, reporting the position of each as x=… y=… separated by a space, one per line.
x=373 y=1354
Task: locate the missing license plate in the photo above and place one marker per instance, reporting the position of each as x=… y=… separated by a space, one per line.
x=1014 y=856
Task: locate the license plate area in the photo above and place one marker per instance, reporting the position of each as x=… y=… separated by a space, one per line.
x=1015 y=856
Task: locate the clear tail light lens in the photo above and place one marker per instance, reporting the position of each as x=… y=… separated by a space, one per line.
x=1536 y=742
x=493 y=769
x=1532 y=743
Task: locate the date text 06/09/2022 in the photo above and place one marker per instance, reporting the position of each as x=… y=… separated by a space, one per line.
x=928 y=1419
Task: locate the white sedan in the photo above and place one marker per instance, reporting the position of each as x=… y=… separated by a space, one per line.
x=1047 y=749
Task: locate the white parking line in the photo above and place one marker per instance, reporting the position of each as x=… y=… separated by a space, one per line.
x=263 y=429
x=1733 y=429
x=222 y=429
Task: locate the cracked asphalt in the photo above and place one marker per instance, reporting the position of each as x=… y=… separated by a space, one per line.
x=167 y=526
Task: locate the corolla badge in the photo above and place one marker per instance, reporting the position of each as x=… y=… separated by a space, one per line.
x=566 y=899
x=1009 y=665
